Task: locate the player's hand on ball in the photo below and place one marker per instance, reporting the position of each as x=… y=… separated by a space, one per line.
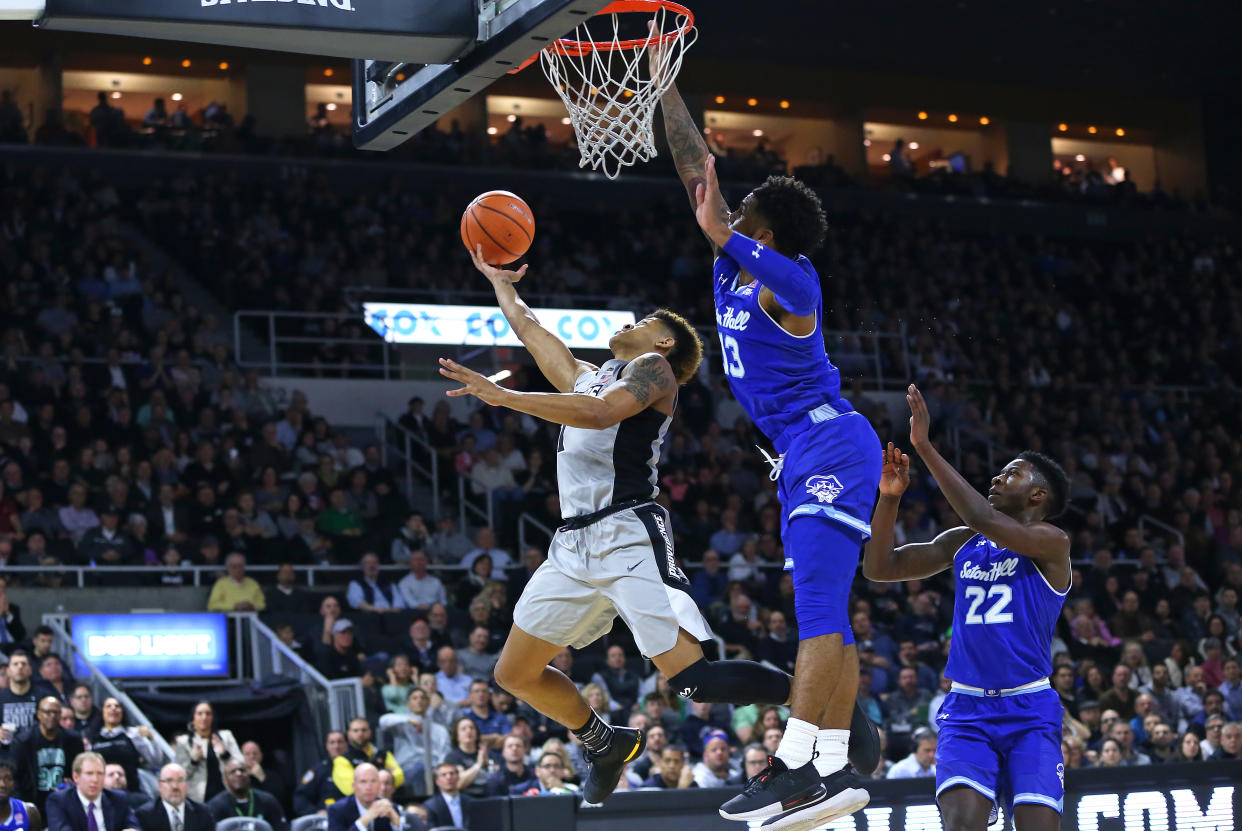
x=895 y=477
x=920 y=418
x=493 y=273
x=474 y=384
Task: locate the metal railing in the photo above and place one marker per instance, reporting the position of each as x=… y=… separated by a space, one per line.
x=527 y=520
x=204 y=575
x=400 y=442
x=466 y=506
x=379 y=353
x=1148 y=519
x=101 y=686
x=333 y=703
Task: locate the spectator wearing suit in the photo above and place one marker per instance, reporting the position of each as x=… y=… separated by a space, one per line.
x=67 y=809
x=238 y=799
x=16 y=813
x=174 y=811
x=116 y=780
x=450 y=806
x=364 y=811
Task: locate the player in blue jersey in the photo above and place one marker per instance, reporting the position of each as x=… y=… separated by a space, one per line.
x=1000 y=726
x=768 y=316
x=15 y=815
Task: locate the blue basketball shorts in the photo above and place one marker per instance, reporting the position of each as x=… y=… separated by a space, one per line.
x=827 y=487
x=1007 y=748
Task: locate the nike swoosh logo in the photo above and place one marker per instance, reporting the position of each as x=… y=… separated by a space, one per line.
x=636 y=565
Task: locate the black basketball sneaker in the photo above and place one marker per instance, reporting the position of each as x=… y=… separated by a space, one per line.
x=605 y=770
x=775 y=790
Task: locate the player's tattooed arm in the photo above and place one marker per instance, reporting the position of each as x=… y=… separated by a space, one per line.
x=685 y=141
x=648 y=379
x=688 y=148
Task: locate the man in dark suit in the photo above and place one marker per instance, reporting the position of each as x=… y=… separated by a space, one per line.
x=173 y=811
x=67 y=808
x=115 y=779
x=365 y=807
x=450 y=806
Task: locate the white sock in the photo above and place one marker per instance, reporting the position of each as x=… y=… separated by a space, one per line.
x=831 y=747
x=797 y=744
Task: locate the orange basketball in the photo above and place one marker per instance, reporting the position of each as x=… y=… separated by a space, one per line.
x=502 y=223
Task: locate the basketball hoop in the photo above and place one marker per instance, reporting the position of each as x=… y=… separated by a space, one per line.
x=605 y=84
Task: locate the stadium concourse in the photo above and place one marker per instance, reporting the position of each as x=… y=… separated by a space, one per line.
x=140 y=454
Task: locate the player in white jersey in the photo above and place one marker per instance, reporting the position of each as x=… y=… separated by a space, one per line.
x=614 y=554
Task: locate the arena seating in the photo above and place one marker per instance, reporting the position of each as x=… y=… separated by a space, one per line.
x=131 y=438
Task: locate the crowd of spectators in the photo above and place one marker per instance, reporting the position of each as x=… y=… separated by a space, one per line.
x=524 y=144
x=162 y=453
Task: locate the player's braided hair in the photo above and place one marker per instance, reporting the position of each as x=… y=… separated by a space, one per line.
x=794 y=213
x=687 y=351
x=1053 y=477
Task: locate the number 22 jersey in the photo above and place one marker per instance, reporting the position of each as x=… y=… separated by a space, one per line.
x=1004 y=616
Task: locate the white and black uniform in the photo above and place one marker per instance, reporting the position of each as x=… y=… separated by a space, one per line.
x=614 y=554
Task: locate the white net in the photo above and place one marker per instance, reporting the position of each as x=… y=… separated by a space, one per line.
x=611 y=89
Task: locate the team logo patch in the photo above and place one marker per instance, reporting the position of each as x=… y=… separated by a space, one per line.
x=1061 y=774
x=824 y=488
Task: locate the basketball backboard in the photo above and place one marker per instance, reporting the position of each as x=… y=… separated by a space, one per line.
x=386 y=111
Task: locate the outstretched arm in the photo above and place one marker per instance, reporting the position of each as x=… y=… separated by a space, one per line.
x=886 y=564
x=647 y=381
x=685 y=142
x=1040 y=541
x=552 y=356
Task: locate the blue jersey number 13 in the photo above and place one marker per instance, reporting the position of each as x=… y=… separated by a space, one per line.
x=732 y=356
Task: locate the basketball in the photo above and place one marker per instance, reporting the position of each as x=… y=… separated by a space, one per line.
x=502 y=223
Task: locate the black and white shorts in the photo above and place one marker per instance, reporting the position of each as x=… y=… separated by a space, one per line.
x=621 y=565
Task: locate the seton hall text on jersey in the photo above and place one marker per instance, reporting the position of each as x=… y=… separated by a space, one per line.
x=1004 y=568
x=731 y=319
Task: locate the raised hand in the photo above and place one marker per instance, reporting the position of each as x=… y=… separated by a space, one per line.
x=920 y=418
x=493 y=273
x=895 y=476
x=475 y=384
x=710 y=208
x=655 y=49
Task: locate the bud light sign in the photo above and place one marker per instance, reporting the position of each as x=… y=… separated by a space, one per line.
x=487 y=326
x=153 y=646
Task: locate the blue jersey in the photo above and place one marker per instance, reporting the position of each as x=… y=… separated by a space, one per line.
x=18 y=819
x=1004 y=615
x=777 y=377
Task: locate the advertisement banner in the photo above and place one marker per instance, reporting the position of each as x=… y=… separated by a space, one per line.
x=1196 y=796
x=430 y=323
x=153 y=646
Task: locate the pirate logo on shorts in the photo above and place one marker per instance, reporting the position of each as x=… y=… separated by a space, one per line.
x=824 y=488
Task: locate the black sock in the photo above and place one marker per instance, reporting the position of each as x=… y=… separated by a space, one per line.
x=595 y=735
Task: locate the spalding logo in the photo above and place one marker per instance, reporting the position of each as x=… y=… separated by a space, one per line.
x=342 y=5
